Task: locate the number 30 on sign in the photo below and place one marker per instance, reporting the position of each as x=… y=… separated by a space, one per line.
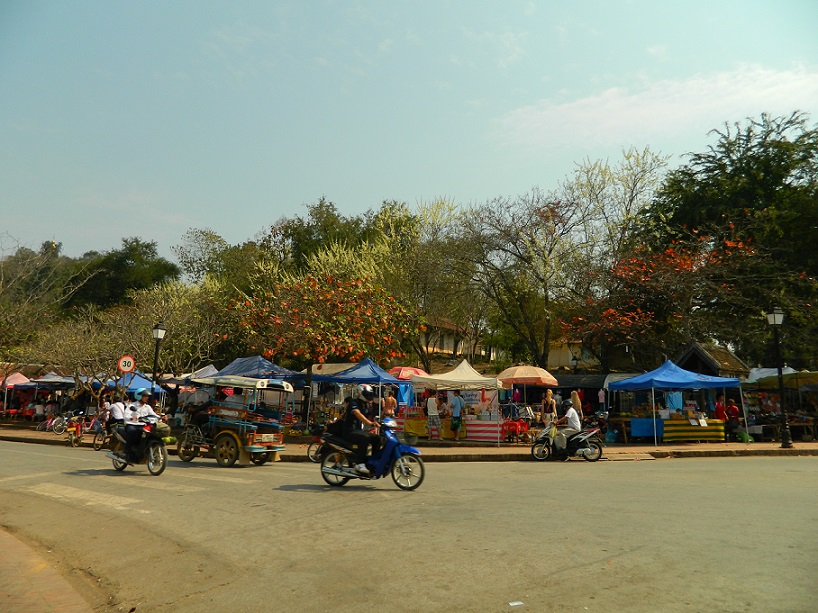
x=126 y=363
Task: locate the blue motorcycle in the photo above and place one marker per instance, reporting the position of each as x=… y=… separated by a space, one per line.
x=398 y=459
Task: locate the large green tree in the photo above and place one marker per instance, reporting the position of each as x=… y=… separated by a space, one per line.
x=136 y=265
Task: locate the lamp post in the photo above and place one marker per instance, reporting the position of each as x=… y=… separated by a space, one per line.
x=574 y=363
x=775 y=318
x=158 y=332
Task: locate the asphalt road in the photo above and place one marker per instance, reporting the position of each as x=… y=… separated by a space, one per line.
x=709 y=534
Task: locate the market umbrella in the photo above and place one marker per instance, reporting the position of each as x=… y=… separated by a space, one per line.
x=527 y=375
x=404 y=373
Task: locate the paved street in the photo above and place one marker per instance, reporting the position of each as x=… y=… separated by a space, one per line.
x=709 y=534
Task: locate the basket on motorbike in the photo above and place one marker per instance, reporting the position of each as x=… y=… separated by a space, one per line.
x=407 y=438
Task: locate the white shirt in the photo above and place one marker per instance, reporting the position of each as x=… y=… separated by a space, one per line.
x=117 y=411
x=137 y=410
x=573 y=419
x=431 y=406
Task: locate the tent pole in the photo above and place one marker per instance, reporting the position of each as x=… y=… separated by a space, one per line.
x=744 y=410
x=653 y=403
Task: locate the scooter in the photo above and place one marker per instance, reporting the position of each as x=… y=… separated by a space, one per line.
x=585 y=444
x=150 y=450
x=401 y=461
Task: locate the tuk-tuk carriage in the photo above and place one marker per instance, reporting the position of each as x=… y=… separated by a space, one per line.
x=235 y=427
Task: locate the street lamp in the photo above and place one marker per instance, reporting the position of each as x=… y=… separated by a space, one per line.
x=158 y=332
x=574 y=362
x=775 y=318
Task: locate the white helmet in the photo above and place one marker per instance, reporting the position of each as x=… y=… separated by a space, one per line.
x=364 y=391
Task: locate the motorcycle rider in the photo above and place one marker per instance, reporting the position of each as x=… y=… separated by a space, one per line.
x=133 y=427
x=351 y=431
x=571 y=417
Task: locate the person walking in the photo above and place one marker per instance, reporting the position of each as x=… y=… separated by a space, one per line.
x=549 y=408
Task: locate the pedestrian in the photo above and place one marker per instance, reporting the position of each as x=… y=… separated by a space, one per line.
x=576 y=401
x=549 y=408
x=457 y=414
x=389 y=404
x=721 y=414
x=601 y=397
x=732 y=419
x=433 y=416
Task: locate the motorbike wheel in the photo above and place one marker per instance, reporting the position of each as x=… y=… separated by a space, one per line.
x=336 y=460
x=540 y=450
x=314 y=451
x=225 y=449
x=408 y=471
x=74 y=440
x=120 y=465
x=157 y=458
x=186 y=450
x=597 y=451
x=58 y=427
x=260 y=458
x=99 y=440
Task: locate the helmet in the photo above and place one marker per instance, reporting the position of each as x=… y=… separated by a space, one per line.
x=364 y=391
x=141 y=392
x=567 y=404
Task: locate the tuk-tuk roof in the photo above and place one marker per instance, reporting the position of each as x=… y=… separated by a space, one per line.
x=245 y=382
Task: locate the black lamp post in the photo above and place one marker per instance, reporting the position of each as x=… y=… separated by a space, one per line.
x=158 y=332
x=574 y=363
x=775 y=318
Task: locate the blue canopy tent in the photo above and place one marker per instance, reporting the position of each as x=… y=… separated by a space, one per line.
x=366 y=371
x=669 y=377
x=258 y=367
x=132 y=381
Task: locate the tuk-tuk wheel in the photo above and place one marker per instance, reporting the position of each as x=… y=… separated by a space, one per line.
x=226 y=449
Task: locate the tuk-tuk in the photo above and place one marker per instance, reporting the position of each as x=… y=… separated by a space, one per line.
x=235 y=426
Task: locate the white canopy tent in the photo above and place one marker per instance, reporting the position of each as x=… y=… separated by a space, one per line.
x=464 y=377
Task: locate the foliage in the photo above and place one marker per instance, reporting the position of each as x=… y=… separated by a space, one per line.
x=315 y=320
x=33 y=286
x=136 y=265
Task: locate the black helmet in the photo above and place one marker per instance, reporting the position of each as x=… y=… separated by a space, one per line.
x=567 y=404
x=364 y=391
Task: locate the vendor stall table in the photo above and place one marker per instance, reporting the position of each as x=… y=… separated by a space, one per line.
x=683 y=430
x=472 y=429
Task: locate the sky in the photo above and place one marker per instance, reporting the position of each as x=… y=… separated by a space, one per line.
x=147 y=118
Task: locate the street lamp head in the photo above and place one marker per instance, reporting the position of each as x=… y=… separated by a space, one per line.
x=775 y=317
x=159 y=331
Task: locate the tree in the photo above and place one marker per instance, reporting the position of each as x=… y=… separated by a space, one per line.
x=135 y=266
x=314 y=320
x=33 y=286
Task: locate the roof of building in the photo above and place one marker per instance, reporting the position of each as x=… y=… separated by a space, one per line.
x=712 y=359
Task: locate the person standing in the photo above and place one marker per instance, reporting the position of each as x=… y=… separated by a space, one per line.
x=732 y=425
x=576 y=401
x=601 y=397
x=433 y=416
x=458 y=404
x=549 y=408
x=390 y=405
x=721 y=414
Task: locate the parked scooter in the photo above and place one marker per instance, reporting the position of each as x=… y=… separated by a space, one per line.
x=401 y=461
x=150 y=450
x=585 y=443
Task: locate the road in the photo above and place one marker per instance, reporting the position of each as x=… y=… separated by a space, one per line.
x=709 y=534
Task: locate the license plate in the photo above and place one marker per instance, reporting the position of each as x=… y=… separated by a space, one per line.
x=269 y=438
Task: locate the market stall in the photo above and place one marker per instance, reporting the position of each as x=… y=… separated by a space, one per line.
x=482 y=422
x=669 y=377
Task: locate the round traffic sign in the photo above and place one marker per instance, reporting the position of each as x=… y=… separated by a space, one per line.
x=126 y=363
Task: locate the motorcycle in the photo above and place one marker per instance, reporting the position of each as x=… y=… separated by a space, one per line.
x=585 y=444
x=394 y=457
x=317 y=448
x=150 y=450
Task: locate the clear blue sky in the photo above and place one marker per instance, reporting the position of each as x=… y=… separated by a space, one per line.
x=147 y=118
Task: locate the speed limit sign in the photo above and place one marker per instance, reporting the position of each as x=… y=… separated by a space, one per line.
x=126 y=363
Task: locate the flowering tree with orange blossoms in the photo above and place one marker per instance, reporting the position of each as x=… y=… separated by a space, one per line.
x=312 y=320
x=658 y=302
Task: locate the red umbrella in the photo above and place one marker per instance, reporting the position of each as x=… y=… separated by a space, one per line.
x=404 y=373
